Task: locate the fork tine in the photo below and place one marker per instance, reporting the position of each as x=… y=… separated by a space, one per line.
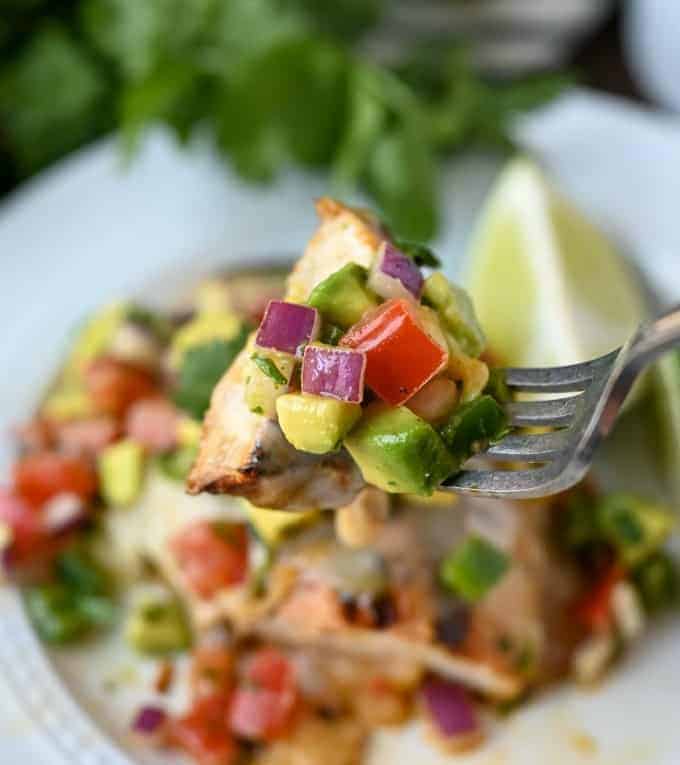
x=557 y=412
x=523 y=447
x=517 y=483
x=567 y=379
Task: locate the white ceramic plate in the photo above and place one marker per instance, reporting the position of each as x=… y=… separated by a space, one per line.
x=87 y=232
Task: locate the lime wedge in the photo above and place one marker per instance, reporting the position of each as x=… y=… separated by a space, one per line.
x=548 y=287
x=666 y=378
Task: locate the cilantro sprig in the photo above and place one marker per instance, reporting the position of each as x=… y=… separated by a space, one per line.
x=202 y=367
x=278 y=82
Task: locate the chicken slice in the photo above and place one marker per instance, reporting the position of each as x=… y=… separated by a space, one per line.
x=246 y=454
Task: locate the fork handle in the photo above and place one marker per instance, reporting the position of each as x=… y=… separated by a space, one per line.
x=656 y=338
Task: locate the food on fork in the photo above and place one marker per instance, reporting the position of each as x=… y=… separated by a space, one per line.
x=359 y=376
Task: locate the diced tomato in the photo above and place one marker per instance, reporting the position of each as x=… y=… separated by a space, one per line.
x=153 y=423
x=39 y=477
x=203 y=733
x=270 y=669
x=594 y=609
x=401 y=357
x=87 y=437
x=212 y=670
x=212 y=556
x=115 y=385
x=264 y=705
x=28 y=537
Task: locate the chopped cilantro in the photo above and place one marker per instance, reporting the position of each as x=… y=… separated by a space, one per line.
x=331 y=334
x=201 y=369
x=420 y=254
x=269 y=368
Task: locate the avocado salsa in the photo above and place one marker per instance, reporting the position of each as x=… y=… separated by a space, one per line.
x=391 y=383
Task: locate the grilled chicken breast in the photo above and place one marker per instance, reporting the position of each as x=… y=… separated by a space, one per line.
x=246 y=454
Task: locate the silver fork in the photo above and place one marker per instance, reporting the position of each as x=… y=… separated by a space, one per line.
x=593 y=394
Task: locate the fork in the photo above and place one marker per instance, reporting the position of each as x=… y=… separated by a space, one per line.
x=590 y=396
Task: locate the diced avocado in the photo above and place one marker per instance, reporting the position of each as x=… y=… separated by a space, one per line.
x=399 y=452
x=636 y=528
x=458 y=314
x=273 y=525
x=313 y=423
x=157 y=627
x=267 y=375
x=177 y=464
x=472 y=427
x=213 y=296
x=67 y=402
x=471 y=372
x=473 y=568
x=93 y=340
x=342 y=298
x=121 y=472
x=205 y=327
x=188 y=431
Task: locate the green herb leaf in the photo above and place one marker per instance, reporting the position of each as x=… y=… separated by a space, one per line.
x=657 y=581
x=99 y=610
x=331 y=334
x=278 y=82
x=420 y=254
x=54 y=612
x=77 y=570
x=634 y=527
x=202 y=367
x=269 y=368
x=53 y=98
x=473 y=568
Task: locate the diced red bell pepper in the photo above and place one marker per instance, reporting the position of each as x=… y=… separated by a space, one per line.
x=28 y=538
x=264 y=705
x=594 y=609
x=400 y=355
x=212 y=556
x=203 y=732
x=39 y=477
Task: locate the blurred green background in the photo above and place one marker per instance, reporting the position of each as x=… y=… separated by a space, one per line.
x=278 y=83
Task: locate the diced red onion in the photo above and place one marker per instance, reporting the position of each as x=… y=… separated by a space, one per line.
x=451 y=711
x=7 y=561
x=334 y=372
x=287 y=327
x=149 y=720
x=63 y=513
x=394 y=275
